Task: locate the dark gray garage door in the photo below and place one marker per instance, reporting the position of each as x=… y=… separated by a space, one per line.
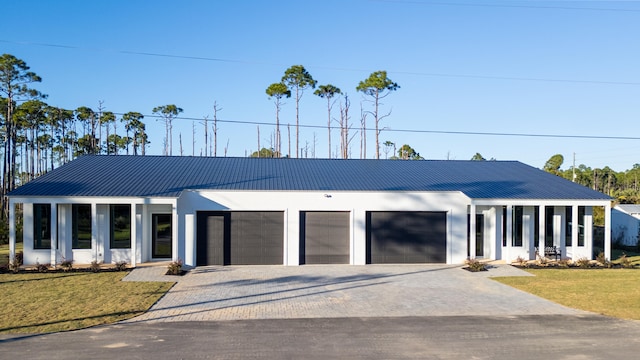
x=240 y=238
x=403 y=237
x=324 y=237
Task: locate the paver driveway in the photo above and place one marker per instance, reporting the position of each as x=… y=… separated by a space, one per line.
x=282 y=292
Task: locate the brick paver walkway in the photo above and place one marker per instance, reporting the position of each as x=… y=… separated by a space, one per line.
x=279 y=292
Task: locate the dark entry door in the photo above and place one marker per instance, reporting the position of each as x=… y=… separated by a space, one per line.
x=161 y=236
x=396 y=237
x=324 y=237
x=240 y=238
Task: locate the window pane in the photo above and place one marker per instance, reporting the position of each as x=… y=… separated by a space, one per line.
x=569 y=225
x=41 y=226
x=517 y=226
x=120 y=226
x=81 y=214
x=581 y=212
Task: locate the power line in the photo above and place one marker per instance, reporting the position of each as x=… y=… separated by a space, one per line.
x=344 y=69
x=515 y=6
x=443 y=132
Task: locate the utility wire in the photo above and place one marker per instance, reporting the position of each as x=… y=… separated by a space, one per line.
x=344 y=69
x=445 y=132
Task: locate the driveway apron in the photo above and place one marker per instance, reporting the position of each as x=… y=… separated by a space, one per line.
x=339 y=291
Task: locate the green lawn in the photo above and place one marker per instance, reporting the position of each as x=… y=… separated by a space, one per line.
x=611 y=292
x=66 y=301
x=4 y=252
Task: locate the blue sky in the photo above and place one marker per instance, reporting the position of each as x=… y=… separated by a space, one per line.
x=508 y=67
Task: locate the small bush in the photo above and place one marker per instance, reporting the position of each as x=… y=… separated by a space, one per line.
x=19 y=258
x=474 y=265
x=175 y=267
x=583 y=263
x=564 y=263
x=520 y=260
x=42 y=268
x=542 y=261
x=95 y=266
x=121 y=266
x=66 y=265
x=602 y=260
x=624 y=261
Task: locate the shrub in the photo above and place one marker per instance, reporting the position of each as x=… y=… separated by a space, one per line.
x=120 y=266
x=474 y=265
x=19 y=258
x=42 y=268
x=520 y=260
x=624 y=261
x=564 y=263
x=583 y=263
x=602 y=260
x=542 y=261
x=95 y=266
x=175 y=267
x=66 y=265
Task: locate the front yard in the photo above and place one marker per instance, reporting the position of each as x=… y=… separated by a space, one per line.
x=50 y=302
x=611 y=292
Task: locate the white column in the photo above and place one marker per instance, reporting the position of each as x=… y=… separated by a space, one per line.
x=94 y=231
x=54 y=234
x=472 y=231
x=134 y=235
x=575 y=231
x=189 y=239
x=491 y=223
x=542 y=229
x=175 y=255
x=529 y=228
x=607 y=233
x=509 y=232
x=12 y=231
x=559 y=215
x=498 y=233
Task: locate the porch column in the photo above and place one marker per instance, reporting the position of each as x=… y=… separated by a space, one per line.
x=94 y=231
x=509 y=232
x=175 y=255
x=12 y=231
x=529 y=228
x=542 y=229
x=54 y=234
x=472 y=231
x=607 y=232
x=498 y=233
x=559 y=229
x=190 y=239
x=575 y=231
x=134 y=234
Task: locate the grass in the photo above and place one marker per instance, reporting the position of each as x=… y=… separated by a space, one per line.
x=611 y=292
x=4 y=252
x=37 y=303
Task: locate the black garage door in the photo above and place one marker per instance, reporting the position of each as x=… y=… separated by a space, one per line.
x=403 y=237
x=240 y=238
x=324 y=237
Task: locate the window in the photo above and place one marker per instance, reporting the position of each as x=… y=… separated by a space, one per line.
x=568 y=225
x=81 y=220
x=581 y=214
x=120 y=225
x=41 y=226
x=517 y=226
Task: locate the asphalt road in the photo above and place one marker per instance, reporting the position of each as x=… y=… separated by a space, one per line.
x=439 y=337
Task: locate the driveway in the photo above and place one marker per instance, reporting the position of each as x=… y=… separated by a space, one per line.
x=339 y=291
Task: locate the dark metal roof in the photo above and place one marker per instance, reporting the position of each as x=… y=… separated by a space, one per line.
x=166 y=176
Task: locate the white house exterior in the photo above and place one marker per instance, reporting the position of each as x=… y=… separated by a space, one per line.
x=233 y=211
x=625 y=224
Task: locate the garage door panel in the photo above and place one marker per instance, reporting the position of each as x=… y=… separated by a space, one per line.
x=248 y=238
x=324 y=237
x=406 y=237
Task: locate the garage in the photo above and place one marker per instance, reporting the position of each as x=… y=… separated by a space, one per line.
x=406 y=237
x=324 y=237
x=240 y=238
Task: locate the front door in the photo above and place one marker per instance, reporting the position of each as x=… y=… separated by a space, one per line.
x=161 y=233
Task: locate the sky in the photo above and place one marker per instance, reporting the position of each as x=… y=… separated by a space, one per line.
x=476 y=76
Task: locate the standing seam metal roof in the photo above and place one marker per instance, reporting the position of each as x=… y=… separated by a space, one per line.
x=167 y=176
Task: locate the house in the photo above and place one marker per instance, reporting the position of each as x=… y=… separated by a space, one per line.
x=230 y=211
x=625 y=224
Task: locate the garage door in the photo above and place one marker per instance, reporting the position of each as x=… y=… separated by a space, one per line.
x=324 y=237
x=240 y=238
x=404 y=237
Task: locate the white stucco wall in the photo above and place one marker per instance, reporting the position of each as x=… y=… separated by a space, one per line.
x=454 y=204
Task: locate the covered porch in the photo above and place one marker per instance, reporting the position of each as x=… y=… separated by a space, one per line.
x=508 y=230
x=104 y=230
